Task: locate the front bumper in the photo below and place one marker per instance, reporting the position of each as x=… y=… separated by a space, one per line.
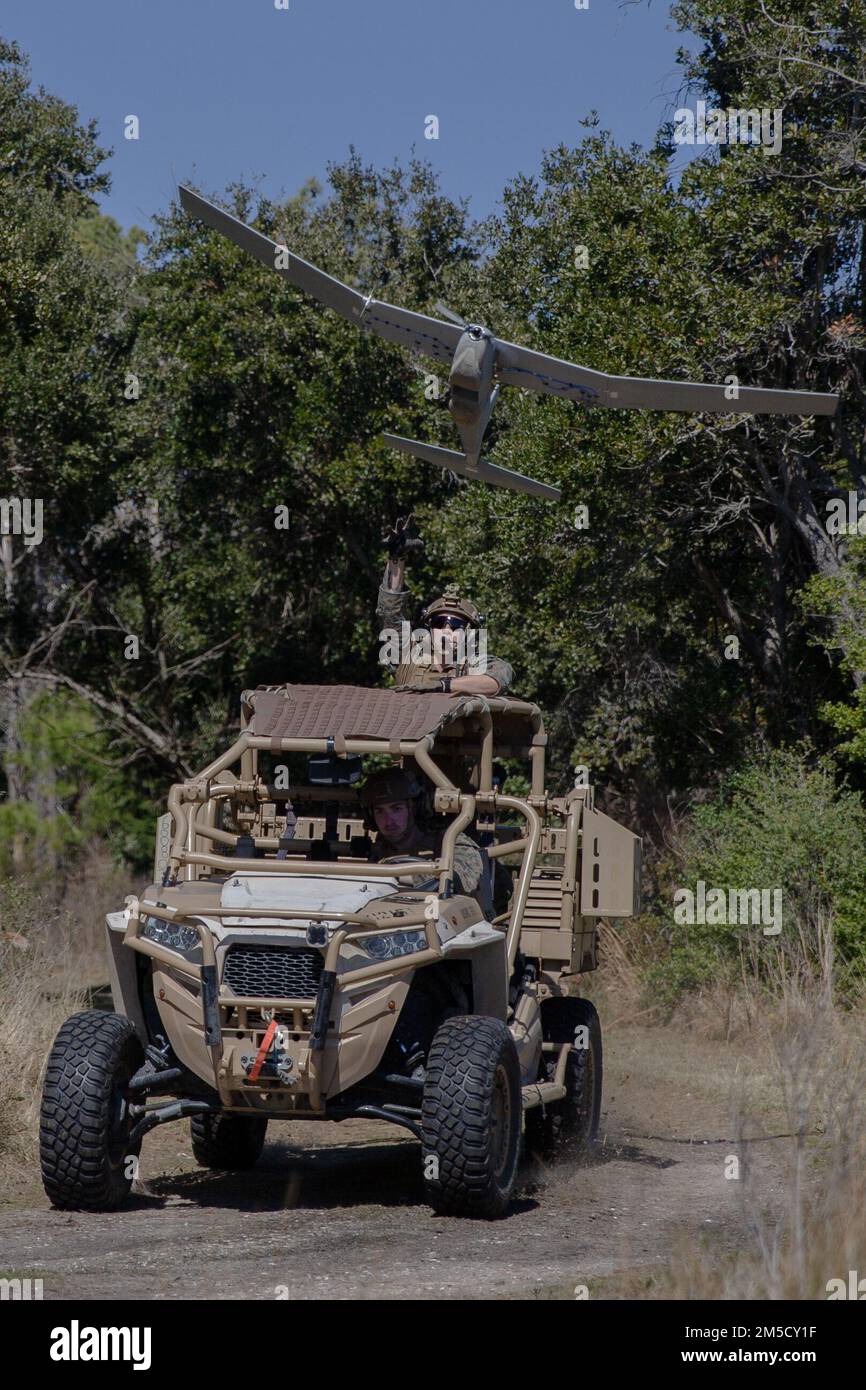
x=318 y=1047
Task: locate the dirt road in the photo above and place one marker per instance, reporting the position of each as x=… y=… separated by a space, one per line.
x=337 y=1210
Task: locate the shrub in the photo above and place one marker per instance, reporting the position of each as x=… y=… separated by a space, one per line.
x=782 y=822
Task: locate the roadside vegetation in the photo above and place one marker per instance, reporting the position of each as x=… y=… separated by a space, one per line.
x=698 y=645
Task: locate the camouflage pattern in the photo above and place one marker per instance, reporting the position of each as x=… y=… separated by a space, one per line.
x=467 y=863
x=467 y=859
x=395 y=607
x=418 y=678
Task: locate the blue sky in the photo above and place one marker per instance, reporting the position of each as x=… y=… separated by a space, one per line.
x=228 y=89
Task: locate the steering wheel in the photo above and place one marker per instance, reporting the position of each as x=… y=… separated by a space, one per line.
x=424 y=886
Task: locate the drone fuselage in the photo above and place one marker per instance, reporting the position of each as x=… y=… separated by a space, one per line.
x=472 y=389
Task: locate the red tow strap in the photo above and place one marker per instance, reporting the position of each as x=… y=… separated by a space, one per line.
x=263 y=1050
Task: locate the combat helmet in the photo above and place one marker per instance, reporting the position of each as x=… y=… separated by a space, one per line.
x=451 y=602
x=391 y=784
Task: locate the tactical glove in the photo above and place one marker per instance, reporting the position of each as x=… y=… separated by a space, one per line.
x=401 y=544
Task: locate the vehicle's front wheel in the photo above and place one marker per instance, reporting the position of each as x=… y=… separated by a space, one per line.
x=227 y=1141
x=470 y=1118
x=569 y=1127
x=86 y=1156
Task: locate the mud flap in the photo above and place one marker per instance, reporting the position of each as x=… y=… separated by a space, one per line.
x=322 y=1015
x=210 y=1005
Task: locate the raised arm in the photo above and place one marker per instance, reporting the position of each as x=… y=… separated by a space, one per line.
x=395 y=601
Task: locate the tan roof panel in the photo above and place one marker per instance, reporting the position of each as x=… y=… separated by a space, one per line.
x=350 y=711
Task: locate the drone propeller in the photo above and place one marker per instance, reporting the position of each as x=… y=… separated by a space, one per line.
x=450 y=314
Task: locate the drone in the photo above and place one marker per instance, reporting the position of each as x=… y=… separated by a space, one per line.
x=480 y=363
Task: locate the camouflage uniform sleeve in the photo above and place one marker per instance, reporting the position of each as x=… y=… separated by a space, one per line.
x=467 y=863
x=501 y=672
x=393 y=606
x=492 y=666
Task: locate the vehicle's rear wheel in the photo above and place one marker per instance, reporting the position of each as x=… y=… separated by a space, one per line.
x=569 y=1127
x=84 y=1122
x=227 y=1141
x=470 y=1118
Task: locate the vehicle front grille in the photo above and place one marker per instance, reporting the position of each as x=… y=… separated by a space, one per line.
x=273 y=972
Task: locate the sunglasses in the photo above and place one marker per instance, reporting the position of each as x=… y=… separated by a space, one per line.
x=446 y=620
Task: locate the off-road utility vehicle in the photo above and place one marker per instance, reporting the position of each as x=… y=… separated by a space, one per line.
x=265 y=972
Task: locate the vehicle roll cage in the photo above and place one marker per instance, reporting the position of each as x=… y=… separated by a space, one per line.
x=468 y=729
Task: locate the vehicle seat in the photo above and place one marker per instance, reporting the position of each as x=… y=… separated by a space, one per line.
x=484 y=893
x=503 y=886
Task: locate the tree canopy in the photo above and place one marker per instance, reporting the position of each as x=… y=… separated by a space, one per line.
x=205 y=439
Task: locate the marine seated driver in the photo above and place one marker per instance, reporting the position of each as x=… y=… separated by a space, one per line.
x=395 y=805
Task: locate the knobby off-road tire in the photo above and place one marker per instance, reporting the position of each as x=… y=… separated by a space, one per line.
x=568 y=1128
x=471 y=1118
x=84 y=1121
x=227 y=1141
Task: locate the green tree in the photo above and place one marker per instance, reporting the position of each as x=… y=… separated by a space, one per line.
x=105 y=239
x=62 y=340
x=80 y=790
x=259 y=467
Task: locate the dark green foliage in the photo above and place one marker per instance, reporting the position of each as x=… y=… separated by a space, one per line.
x=170 y=408
x=780 y=822
x=79 y=790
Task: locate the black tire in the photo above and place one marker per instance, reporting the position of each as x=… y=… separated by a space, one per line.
x=227 y=1141
x=84 y=1120
x=470 y=1118
x=568 y=1128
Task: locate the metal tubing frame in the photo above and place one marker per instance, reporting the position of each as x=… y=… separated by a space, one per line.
x=419 y=750
x=528 y=847
x=166 y=956
x=184 y=856
x=360 y=868
x=449 y=840
x=361 y=926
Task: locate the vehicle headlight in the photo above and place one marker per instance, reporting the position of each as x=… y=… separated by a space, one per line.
x=396 y=943
x=174 y=935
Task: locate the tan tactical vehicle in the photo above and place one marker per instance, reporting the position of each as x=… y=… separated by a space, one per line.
x=264 y=974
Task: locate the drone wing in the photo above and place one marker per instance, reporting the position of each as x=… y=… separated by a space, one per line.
x=535 y=371
x=417 y=332
x=482 y=472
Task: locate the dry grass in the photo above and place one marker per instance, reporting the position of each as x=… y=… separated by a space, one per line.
x=815 y=1230
x=798 y=1068
x=51 y=953
x=798 y=1065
